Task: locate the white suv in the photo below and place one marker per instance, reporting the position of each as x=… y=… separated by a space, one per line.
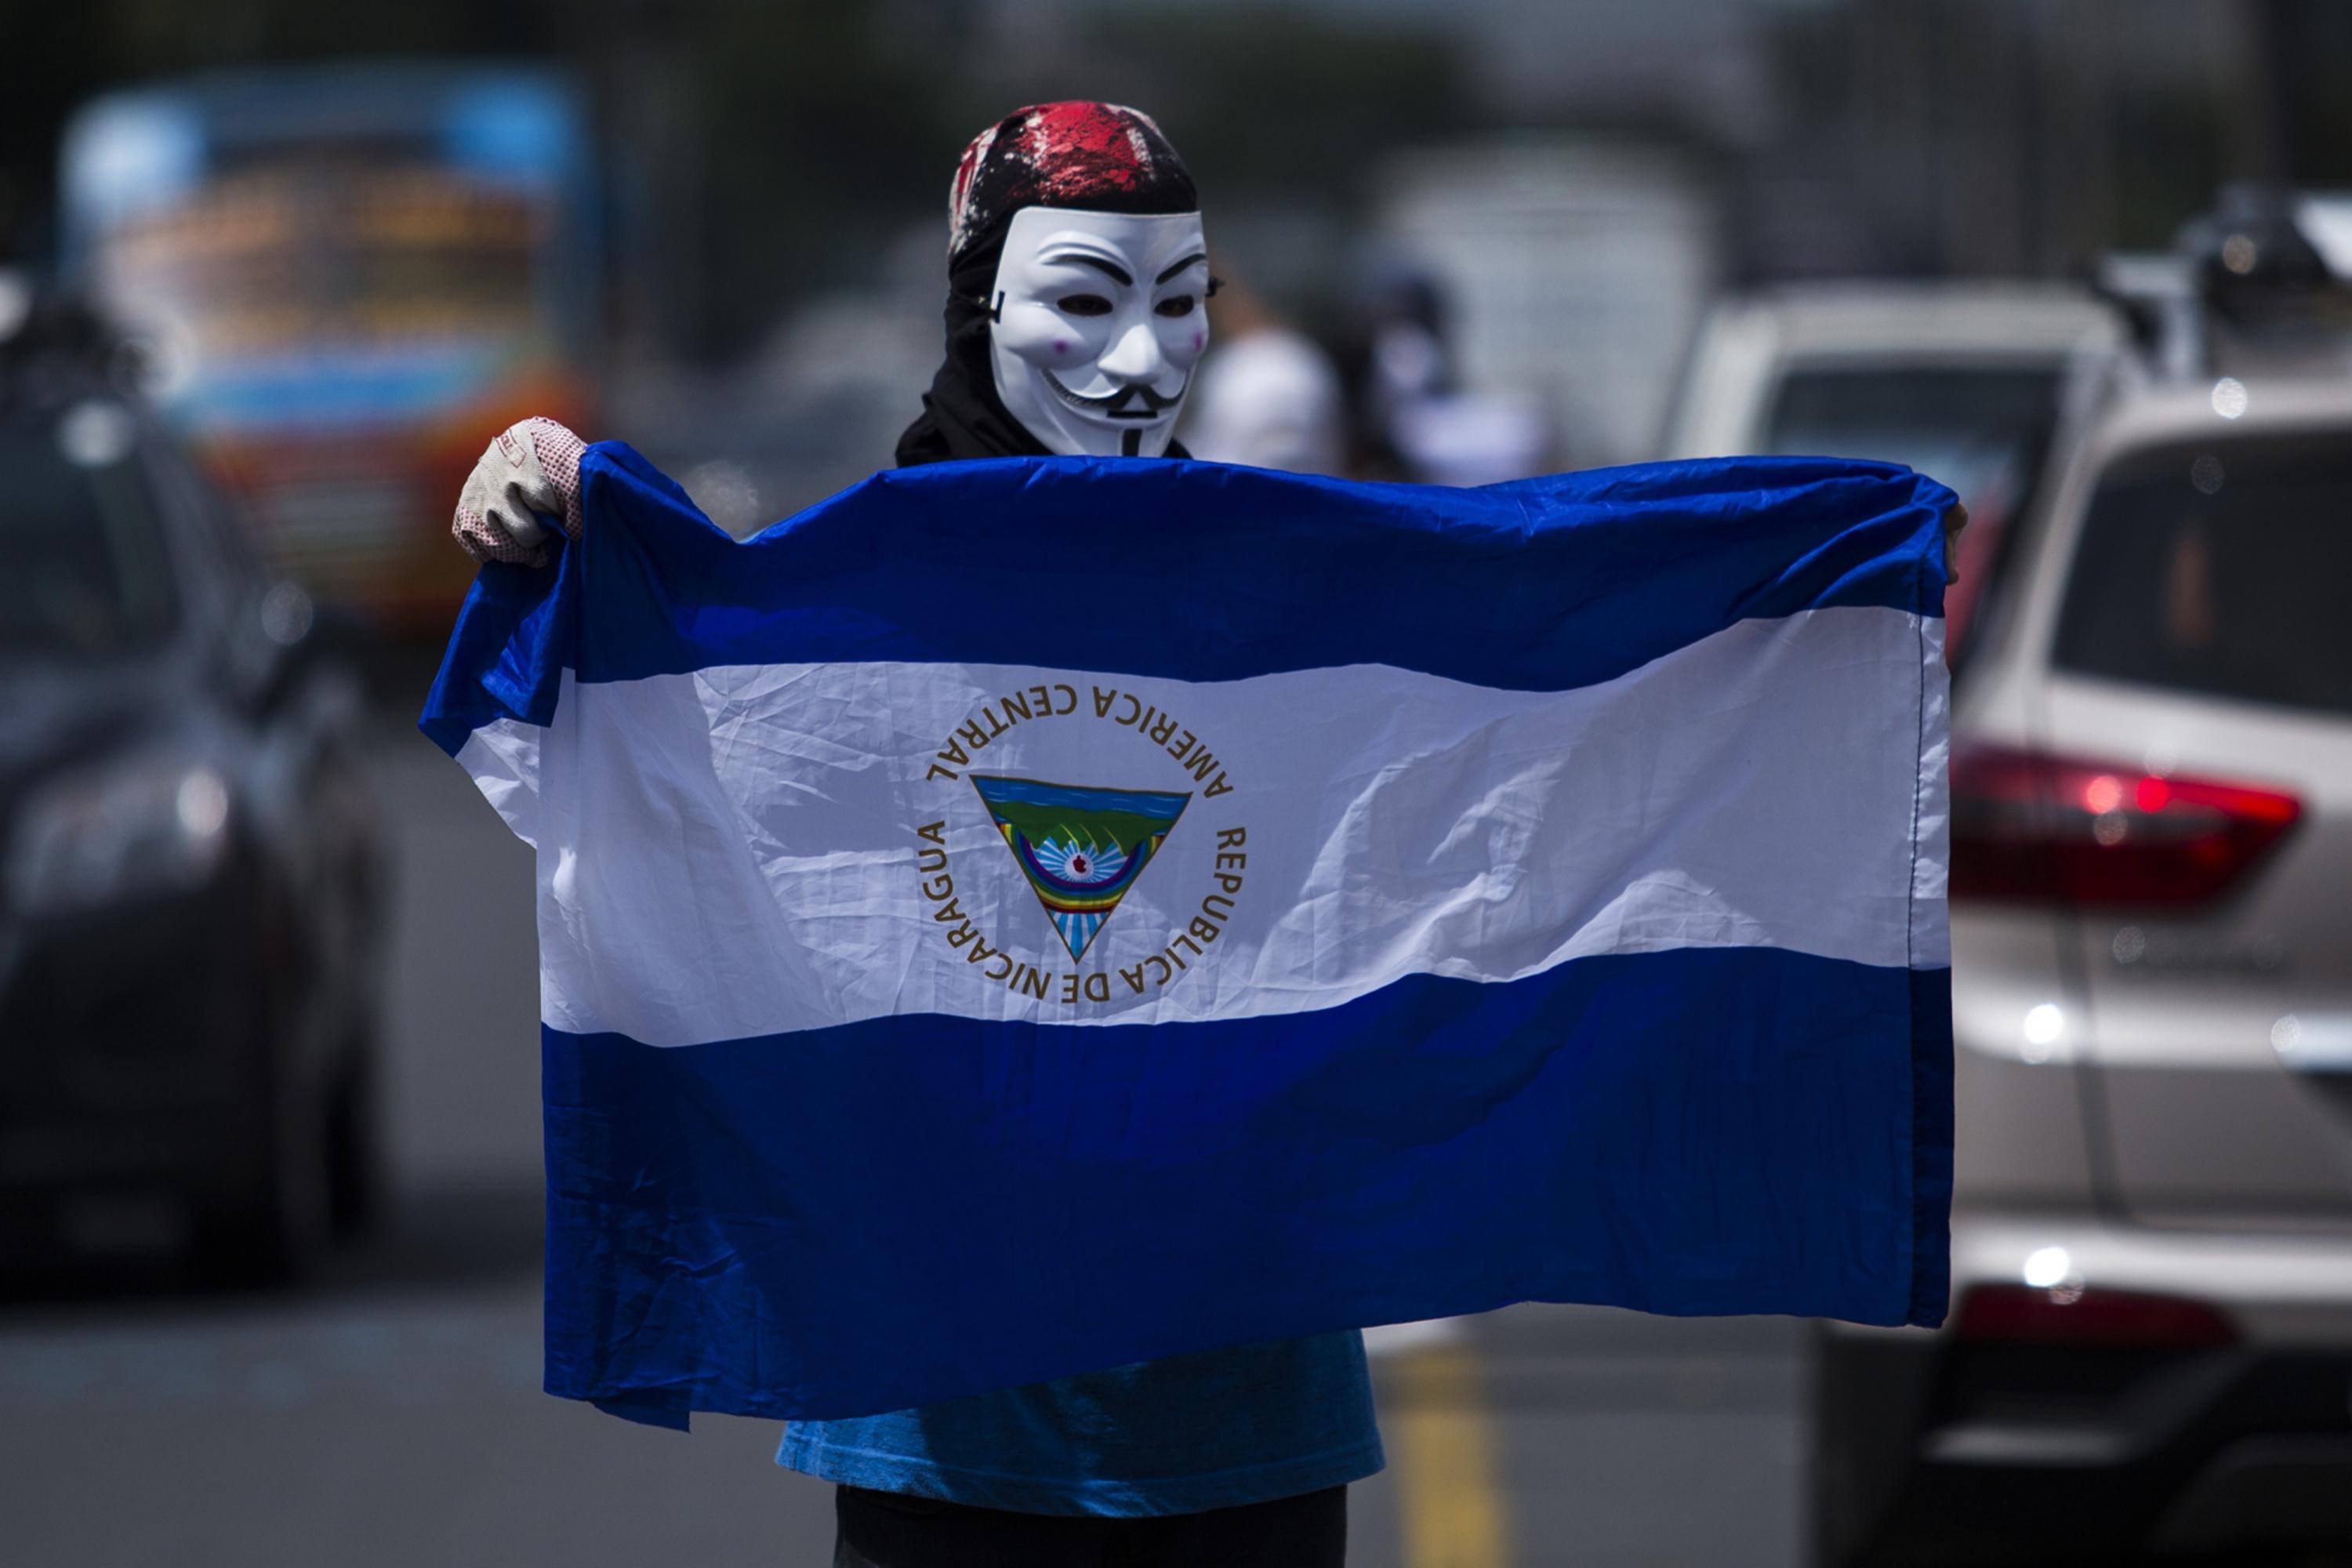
x=2150 y=1350
x=2150 y=1346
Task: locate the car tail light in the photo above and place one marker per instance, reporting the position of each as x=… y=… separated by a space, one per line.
x=2031 y=826
x=2079 y=1315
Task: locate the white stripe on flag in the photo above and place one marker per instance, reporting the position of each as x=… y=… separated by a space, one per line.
x=736 y=852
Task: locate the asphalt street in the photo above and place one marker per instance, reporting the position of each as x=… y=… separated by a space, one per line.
x=388 y=1412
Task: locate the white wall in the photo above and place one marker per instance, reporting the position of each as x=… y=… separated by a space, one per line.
x=1573 y=270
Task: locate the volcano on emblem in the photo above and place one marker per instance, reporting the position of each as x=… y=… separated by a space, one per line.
x=1080 y=848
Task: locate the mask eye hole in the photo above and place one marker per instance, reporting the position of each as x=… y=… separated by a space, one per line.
x=1176 y=305
x=1083 y=305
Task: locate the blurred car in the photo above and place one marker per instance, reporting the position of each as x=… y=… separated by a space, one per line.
x=1964 y=381
x=190 y=876
x=2150 y=1345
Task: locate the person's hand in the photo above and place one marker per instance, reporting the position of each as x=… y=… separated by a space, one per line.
x=533 y=466
x=1955 y=520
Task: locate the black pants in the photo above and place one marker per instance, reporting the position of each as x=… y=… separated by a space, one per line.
x=885 y=1530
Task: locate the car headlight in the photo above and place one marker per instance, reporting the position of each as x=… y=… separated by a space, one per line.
x=152 y=826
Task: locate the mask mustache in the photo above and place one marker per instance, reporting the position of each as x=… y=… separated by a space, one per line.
x=1113 y=404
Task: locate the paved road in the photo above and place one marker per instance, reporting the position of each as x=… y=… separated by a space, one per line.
x=389 y=1413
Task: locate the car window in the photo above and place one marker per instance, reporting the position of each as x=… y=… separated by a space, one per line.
x=1974 y=427
x=88 y=568
x=1983 y=430
x=2218 y=568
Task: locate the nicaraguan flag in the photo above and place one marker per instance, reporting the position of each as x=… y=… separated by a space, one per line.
x=1023 y=917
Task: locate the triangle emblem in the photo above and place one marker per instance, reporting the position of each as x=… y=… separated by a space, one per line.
x=1078 y=847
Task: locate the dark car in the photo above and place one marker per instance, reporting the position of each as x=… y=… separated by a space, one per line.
x=190 y=874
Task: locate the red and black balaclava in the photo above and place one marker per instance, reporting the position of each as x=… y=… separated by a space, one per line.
x=1094 y=157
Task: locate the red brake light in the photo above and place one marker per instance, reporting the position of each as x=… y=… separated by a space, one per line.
x=2048 y=829
x=2073 y=1315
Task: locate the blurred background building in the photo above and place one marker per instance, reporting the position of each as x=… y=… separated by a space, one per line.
x=732 y=206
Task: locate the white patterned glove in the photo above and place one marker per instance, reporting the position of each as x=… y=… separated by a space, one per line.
x=531 y=467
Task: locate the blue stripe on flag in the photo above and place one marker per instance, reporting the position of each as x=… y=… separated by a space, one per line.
x=856 y=1219
x=1198 y=571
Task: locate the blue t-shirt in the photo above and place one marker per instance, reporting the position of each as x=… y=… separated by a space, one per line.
x=1212 y=1429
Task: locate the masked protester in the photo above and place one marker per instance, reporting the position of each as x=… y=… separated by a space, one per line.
x=1078 y=281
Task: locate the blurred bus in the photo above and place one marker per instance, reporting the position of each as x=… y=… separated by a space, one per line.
x=350 y=277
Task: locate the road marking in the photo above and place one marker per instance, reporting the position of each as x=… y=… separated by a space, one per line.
x=1439 y=1431
x=1396 y=1339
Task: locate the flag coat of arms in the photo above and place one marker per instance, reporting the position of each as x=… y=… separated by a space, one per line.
x=1021 y=917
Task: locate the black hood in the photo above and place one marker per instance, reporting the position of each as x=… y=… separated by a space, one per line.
x=962 y=416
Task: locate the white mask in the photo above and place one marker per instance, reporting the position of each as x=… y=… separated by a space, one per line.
x=1099 y=319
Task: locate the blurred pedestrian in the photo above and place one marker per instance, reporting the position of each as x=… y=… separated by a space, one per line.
x=1077 y=281
x=1412 y=419
x=1268 y=395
